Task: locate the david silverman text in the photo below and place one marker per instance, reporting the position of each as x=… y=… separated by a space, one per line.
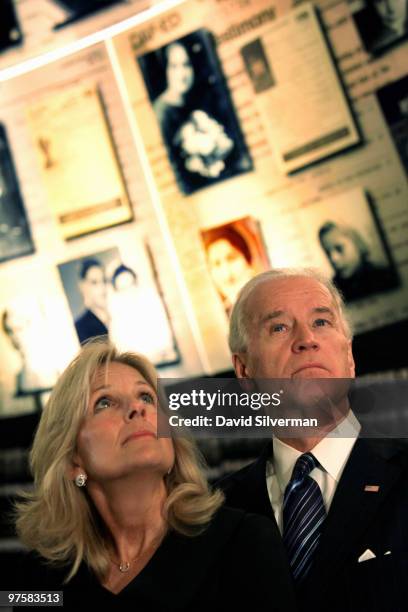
x=248 y=421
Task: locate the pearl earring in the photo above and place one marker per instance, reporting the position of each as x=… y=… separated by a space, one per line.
x=80 y=480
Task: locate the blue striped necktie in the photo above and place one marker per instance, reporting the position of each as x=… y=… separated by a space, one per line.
x=303 y=516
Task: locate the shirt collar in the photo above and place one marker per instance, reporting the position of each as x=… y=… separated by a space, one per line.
x=332 y=452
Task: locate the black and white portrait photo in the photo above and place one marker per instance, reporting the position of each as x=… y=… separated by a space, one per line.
x=15 y=236
x=257 y=66
x=381 y=23
x=193 y=106
x=393 y=99
x=110 y=296
x=350 y=245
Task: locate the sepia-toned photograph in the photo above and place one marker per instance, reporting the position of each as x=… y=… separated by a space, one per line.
x=78 y=161
x=235 y=252
x=15 y=235
x=381 y=23
x=193 y=106
x=350 y=245
x=107 y=297
x=393 y=99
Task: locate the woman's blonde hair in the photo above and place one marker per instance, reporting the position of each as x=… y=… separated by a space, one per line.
x=59 y=520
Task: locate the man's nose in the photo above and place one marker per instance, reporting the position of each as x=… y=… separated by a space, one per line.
x=305 y=340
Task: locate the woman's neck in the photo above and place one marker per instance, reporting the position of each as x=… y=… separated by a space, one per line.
x=132 y=510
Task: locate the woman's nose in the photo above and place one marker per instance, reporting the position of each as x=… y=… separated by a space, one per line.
x=134 y=411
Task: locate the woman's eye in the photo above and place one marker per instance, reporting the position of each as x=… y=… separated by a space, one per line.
x=148 y=398
x=102 y=403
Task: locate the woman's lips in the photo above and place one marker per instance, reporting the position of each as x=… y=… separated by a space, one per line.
x=139 y=434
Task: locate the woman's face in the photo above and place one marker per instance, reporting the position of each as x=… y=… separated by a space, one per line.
x=229 y=268
x=179 y=71
x=343 y=253
x=392 y=12
x=118 y=437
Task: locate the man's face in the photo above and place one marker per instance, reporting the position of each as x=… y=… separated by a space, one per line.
x=295 y=332
x=93 y=288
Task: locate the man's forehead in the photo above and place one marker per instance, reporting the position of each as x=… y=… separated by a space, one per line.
x=282 y=291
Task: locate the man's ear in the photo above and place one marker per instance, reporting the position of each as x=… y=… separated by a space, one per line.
x=350 y=359
x=239 y=361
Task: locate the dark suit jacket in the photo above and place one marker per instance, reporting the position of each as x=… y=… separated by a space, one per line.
x=238 y=563
x=358 y=520
x=88 y=325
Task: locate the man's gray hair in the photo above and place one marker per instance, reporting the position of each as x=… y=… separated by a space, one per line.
x=240 y=317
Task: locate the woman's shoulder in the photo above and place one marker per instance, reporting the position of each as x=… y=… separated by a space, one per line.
x=26 y=570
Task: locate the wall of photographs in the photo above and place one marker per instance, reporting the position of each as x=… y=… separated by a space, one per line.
x=145 y=178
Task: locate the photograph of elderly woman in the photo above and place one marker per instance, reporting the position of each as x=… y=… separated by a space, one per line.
x=381 y=23
x=199 y=126
x=235 y=252
x=121 y=519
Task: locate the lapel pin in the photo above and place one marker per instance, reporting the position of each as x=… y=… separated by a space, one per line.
x=372 y=488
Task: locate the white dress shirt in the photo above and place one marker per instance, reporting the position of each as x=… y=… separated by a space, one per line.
x=332 y=452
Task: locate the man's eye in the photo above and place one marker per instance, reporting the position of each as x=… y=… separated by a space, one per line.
x=279 y=327
x=102 y=403
x=322 y=322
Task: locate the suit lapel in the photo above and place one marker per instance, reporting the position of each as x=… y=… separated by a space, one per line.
x=352 y=510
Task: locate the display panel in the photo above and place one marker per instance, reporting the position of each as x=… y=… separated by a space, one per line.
x=196 y=116
x=305 y=111
x=78 y=161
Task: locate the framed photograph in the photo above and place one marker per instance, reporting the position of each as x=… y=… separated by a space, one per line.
x=78 y=161
x=78 y=9
x=10 y=32
x=193 y=106
x=349 y=243
x=110 y=295
x=15 y=236
x=380 y=23
x=29 y=343
x=235 y=252
x=393 y=99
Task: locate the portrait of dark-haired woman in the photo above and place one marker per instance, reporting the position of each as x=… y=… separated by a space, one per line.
x=197 y=120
